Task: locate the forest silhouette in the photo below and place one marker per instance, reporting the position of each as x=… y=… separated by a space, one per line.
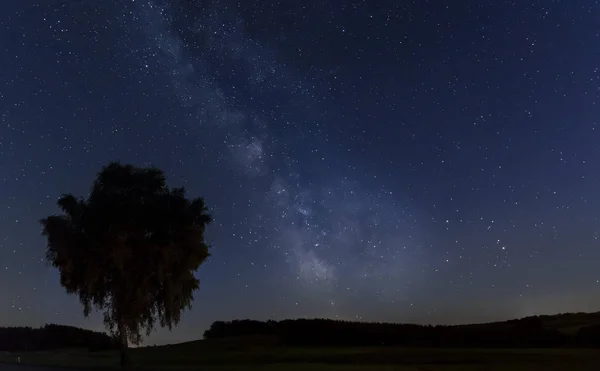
x=53 y=337
x=581 y=330
x=529 y=332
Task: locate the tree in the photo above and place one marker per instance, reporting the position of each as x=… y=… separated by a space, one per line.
x=130 y=250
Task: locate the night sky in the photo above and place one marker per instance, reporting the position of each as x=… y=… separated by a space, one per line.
x=415 y=161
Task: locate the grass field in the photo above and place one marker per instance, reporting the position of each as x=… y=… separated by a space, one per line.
x=261 y=354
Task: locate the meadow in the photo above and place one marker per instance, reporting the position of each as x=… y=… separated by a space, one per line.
x=254 y=353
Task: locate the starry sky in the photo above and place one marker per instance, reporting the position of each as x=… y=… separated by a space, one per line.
x=414 y=161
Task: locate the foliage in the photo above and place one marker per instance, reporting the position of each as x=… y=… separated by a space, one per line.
x=522 y=333
x=130 y=249
x=51 y=337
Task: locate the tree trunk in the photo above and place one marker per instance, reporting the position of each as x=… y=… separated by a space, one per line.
x=123 y=345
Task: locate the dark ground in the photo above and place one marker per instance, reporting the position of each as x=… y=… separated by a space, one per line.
x=233 y=355
x=8 y=367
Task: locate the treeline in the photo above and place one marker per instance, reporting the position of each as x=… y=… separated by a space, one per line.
x=50 y=337
x=524 y=333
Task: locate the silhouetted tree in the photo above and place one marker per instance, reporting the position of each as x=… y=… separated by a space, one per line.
x=129 y=250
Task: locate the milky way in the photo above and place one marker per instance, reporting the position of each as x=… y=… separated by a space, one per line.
x=432 y=163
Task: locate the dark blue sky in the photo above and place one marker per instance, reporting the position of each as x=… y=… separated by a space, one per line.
x=425 y=161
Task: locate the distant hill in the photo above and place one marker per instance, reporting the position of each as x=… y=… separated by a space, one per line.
x=52 y=337
x=561 y=330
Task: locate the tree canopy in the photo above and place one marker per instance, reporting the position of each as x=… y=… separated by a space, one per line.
x=130 y=250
